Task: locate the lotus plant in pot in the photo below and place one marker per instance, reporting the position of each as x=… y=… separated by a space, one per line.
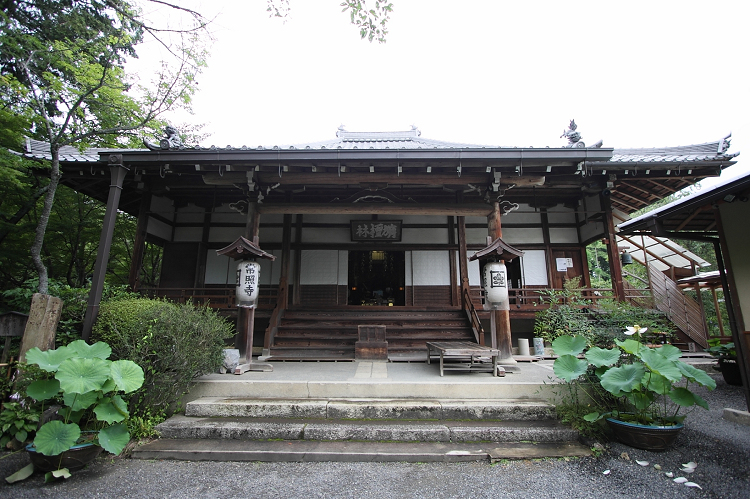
x=726 y=361
x=85 y=391
x=640 y=390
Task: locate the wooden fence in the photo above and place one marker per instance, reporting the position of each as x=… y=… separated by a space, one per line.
x=682 y=310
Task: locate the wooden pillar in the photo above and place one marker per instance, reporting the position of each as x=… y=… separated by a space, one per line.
x=500 y=319
x=452 y=271
x=463 y=264
x=117 y=176
x=246 y=316
x=613 y=254
x=139 y=245
x=296 y=297
x=740 y=335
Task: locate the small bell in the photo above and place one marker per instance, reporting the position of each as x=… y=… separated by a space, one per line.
x=625 y=258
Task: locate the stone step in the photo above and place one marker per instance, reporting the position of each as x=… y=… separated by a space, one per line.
x=350 y=451
x=546 y=431
x=373 y=408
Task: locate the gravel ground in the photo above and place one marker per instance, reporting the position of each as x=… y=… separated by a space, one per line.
x=721 y=449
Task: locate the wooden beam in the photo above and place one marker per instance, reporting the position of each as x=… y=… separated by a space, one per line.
x=377 y=209
x=688 y=219
x=345 y=178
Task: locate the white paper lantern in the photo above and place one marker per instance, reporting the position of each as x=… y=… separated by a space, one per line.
x=495 y=285
x=248 y=283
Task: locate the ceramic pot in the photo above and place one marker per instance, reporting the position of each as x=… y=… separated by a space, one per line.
x=730 y=369
x=653 y=438
x=74 y=458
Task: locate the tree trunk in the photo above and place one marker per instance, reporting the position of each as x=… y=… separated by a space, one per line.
x=41 y=227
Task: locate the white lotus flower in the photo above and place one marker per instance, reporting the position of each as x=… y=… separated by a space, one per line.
x=693 y=484
x=631 y=330
x=641 y=463
x=680 y=479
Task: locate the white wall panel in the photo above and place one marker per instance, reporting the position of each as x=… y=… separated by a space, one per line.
x=534 y=268
x=159 y=229
x=162 y=207
x=430 y=268
x=224 y=234
x=326 y=235
x=319 y=267
x=188 y=234
x=563 y=235
x=190 y=214
x=271 y=235
x=475 y=278
x=476 y=236
x=561 y=215
x=514 y=235
x=219 y=269
x=424 y=236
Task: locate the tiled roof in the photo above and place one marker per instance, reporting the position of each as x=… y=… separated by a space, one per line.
x=710 y=151
x=37 y=149
x=411 y=139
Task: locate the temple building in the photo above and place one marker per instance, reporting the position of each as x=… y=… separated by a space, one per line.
x=381 y=228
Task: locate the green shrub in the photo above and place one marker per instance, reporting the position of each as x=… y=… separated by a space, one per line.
x=173 y=343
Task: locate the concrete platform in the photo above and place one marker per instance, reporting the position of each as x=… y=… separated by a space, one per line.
x=325 y=380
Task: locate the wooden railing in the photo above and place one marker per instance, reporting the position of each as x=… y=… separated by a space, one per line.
x=217 y=298
x=682 y=310
x=471 y=313
x=533 y=299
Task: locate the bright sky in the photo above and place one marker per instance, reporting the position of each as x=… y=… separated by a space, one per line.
x=507 y=73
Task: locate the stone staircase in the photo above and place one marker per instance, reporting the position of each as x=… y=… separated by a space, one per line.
x=330 y=334
x=359 y=429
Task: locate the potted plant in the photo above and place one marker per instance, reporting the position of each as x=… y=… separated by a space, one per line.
x=640 y=390
x=87 y=410
x=726 y=361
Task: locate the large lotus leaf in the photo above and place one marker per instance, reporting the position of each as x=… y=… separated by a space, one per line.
x=569 y=367
x=601 y=357
x=43 y=389
x=682 y=396
x=640 y=400
x=127 y=375
x=98 y=350
x=658 y=364
x=70 y=415
x=114 y=438
x=696 y=375
x=656 y=383
x=670 y=352
x=48 y=360
x=80 y=401
x=569 y=345
x=83 y=375
x=700 y=401
x=112 y=410
x=623 y=379
x=629 y=345
x=56 y=437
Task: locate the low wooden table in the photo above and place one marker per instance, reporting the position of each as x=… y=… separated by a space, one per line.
x=463 y=356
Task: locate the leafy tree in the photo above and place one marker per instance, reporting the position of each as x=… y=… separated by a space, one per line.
x=62 y=65
x=371 y=20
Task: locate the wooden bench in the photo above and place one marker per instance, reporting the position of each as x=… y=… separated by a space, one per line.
x=463 y=356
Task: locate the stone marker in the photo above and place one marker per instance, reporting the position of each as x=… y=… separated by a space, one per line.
x=44 y=316
x=231 y=360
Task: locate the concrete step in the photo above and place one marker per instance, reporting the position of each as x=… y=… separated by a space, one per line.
x=547 y=431
x=373 y=408
x=349 y=451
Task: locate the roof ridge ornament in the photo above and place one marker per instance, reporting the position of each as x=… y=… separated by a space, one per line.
x=724 y=144
x=172 y=141
x=574 y=137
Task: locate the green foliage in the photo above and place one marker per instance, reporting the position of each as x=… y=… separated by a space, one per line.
x=633 y=382
x=567 y=314
x=144 y=426
x=174 y=343
x=725 y=351
x=372 y=20
x=90 y=387
x=18 y=424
